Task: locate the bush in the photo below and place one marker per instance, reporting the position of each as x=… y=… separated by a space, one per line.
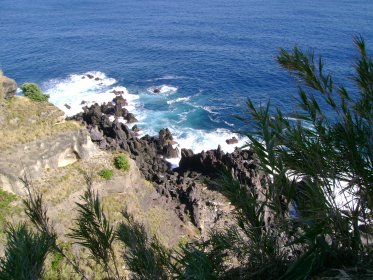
x=5 y=206
x=106 y=173
x=33 y=92
x=121 y=162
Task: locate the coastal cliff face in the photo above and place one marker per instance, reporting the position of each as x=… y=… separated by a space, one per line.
x=34 y=137
x=54 y=153
x=29 y=160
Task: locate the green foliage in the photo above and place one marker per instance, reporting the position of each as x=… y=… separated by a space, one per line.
x=56 y=261
x=33 y=92
x=25 y=254
x=94 y=232
x=106 y=173
x=121 y=162
x=330 y=152
x=194 y=262
x=37 y=213
x=5 y=201
x=146 y=258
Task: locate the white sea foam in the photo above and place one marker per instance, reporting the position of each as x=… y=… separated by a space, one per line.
x=78 y=90
x=200 y=140
x=177 y=100
x=169 y=77
x=163 y=89
x=166 y=77
x=209 y=109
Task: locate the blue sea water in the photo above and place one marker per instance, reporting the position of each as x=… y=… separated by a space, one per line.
x=206 y=57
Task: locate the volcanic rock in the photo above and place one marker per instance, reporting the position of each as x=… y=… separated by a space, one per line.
x=117 y=92
x=170 y=152
x=120 y=100
x=135 y=128
x=231 y=141
x=131 y=118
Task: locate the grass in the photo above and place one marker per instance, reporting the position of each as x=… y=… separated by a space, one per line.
x=6 y=208
x=24 y=120
x=106 y=173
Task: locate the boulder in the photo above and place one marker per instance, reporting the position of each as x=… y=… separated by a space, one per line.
x=131 y=118
x=117 y=92
x=135 y=128
x=8 y=86
x=165 y=137
x=120 y=100
x=90 y=76
x=96 y=134
x=231 y=141
x=170 y=152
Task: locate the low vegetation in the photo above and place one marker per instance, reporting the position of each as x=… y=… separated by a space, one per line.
x=6 y=200
x=24 y=120
x=312 y=216
x=106 y=173
x=121 y=162
x=33 y=91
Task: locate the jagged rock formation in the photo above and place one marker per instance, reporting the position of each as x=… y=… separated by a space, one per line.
x=183 y=188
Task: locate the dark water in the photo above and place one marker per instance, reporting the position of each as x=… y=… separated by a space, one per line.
x=216 y=53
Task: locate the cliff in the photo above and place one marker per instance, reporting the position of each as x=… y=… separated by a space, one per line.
x=55 y=154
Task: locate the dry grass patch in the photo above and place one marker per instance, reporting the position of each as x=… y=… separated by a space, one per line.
x=25 y=120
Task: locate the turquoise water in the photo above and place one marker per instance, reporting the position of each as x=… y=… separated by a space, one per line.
x=206 y=57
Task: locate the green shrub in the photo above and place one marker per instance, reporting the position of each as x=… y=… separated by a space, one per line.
x=56 y=261
x=33 y=92
x=121 y=162
x=106 y=173
x=5 y=200
x=25 y=253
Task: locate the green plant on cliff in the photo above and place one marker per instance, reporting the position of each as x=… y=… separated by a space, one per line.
x=25 y=254
x=33 y=92
x=106 y=173
x=121 y=162
x=5 y=206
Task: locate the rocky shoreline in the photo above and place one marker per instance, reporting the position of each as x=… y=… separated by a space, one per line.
x=184 y=187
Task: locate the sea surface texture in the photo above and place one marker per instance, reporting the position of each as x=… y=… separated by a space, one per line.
x=203 y=58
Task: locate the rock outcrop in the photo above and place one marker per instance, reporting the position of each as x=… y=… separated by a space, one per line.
x=183 y=187
x=8 y=87
x=32 y=158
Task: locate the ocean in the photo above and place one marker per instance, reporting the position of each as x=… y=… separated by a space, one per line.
x=186 y=65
